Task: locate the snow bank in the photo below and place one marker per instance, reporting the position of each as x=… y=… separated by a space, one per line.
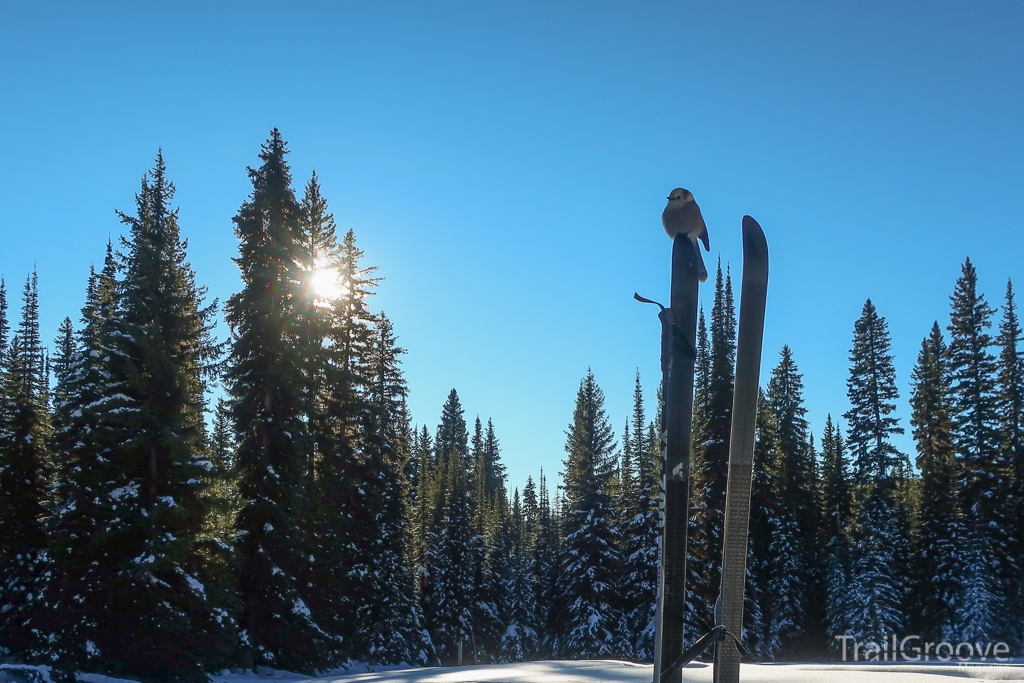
x=626 y=672
x=602 y=671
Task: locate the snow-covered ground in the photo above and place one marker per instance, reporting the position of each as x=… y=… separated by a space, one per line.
x=624 y=672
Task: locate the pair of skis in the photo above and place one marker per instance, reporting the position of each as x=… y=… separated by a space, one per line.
x=677 y=359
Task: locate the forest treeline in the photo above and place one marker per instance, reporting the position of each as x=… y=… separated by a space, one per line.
x=303 y=521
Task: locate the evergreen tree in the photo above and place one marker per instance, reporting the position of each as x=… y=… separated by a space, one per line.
x=875 y=594
x=544 y=572
x=388 y=391
x=63 y=364
x=940 y=541
x=132 y=447
x=590 y=561
x=794 y=586
x=390 y=630
x=496 y=544
x=452 y=435
x=266 y=381
x=985 y=483
x=785 y=399
x=871 y=388
x=710 y=482
x=494 y=469
x=520 y=638
x=161 y=352
x=419 y=502
x=24 y=475
x=89 y=491
x=1010 y=388
x=223 y=489
x=354 y=337
x=446 y=577
x=835 y=520
x=489 y=552
x=696 y=549
x=640 y=533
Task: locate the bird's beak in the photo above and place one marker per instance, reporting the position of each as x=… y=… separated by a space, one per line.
x=668 y=197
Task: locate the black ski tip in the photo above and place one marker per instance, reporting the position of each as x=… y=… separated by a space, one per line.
x=755 y=245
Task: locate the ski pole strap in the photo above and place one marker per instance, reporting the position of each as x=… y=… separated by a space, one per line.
x=712 y=637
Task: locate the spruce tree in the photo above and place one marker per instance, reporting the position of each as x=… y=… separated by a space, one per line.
x=494 y=469
x=544 y=571
x=419 y=501
x=388 y=390
x=89 y=492
x=640 y=533
x=710 y=482
x=1010 y=394
x=941 y=538
x=24 y=476
x=973 y=373
x=389 y=629
x=796 y=462
x=355 y=337
x=836 y=518
x=266 y=380
x=447 y=579
x=452 y=435
x=590 y=561
x=876 y=592
x=63 y=364
x=136 y=495
x=872 y=392
x=162 y=352
x=520 y=638
x=696 y=550
x=223 y=489
x=794 y=574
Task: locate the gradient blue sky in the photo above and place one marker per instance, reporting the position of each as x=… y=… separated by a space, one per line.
x=506 y=163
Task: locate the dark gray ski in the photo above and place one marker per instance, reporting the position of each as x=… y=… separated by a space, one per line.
x=679 y=335
x=741 y=448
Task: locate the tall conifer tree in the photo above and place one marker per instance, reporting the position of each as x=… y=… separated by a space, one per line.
x=89 y=491
x=985 y=478
x=269 y=405
x=836 y=515
x=710 y=483
x=794 y=575
x=939 y=570
x=1010 y=388
x=640 y=533
x=546 y=553
x=390 y=629
x=591 y=561
x=447 y=578
x=131 y=444
x=24 y=476
x=876 y=593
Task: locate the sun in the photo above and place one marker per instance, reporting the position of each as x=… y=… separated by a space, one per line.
x=327 y=284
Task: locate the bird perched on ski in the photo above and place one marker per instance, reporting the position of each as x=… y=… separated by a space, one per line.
x=682 y=217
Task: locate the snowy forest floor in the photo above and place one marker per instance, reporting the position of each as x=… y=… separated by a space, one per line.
x=606 y=671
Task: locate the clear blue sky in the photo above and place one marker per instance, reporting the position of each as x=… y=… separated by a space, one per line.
x=506 y=164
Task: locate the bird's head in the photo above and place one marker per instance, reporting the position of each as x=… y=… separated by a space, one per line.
x=680 y=196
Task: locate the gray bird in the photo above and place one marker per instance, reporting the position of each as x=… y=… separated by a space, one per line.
x=682 y=217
